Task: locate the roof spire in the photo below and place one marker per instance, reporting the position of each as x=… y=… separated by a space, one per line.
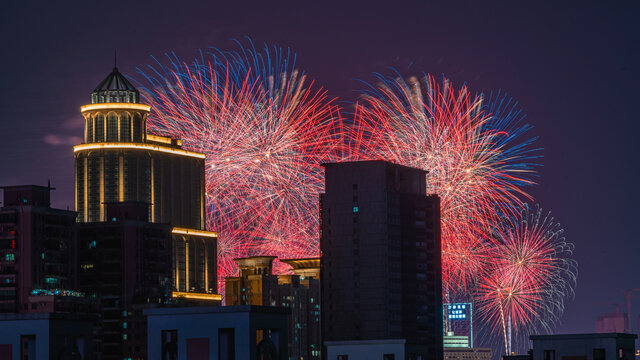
x=115 y=59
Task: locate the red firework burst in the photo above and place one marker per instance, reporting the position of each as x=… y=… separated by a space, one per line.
x=530 y=275
x=265 y=137
x=467 y=151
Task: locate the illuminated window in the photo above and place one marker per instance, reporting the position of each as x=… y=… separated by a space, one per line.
x=355 y=209
x=112 y=127
x=125 y=127
x=86 y=267
x=99 y=128
x=10 y=257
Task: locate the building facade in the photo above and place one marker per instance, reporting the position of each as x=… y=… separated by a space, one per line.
x=611 y=346
x=46 y=336
x=221 y=332
x=36 y=247
x=125 y=264
x=381 y=270
x=299 y=292
x=119 y=161
x=459 y=353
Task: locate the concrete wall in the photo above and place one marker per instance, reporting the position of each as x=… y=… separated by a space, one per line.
x=365 y=349
x=198 y=323
x=198 y=326
x=11 y=330
x=575 y=347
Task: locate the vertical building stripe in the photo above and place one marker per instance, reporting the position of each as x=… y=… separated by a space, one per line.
x=75 y=188
x=153 y=194
x=177 y=243
x=203 y=199
x=186 y=273
x=102 y=217
x=120 y=177
x=206 y=265
x=86 y=190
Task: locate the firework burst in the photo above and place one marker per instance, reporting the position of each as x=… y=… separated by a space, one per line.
x=532 y=272
x=473 y=151
x=265 y=131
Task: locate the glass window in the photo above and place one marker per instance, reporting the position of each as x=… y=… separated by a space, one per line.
x=125 y=127
x=137 y=127
x=112 y=127
x=90 y=130
x=99 y=128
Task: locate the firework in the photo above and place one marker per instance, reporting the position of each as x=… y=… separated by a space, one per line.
x=532 y=272
x=265 y=131
x=475 y=152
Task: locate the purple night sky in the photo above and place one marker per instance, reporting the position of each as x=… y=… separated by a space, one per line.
x=572 y=68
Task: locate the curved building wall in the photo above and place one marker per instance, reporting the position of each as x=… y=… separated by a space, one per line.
x=110 y=175
x=178 y=190
x=172 y=184
x=126 y=124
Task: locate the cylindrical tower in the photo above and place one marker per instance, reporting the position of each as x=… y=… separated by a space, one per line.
x=119 y=161
x=111 y=168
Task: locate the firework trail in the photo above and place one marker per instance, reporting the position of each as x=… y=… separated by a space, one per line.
x=265 y=131
x=529 y=278
x=475 y=151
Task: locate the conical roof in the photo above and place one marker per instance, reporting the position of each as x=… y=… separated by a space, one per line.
x=115 y=81
x=115 y=88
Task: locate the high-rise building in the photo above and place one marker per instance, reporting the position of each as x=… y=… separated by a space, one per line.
x=36 y=248
x=299 y=292
x=124 y=264
x=120 y=162
x=141 y=236
x=381 y=270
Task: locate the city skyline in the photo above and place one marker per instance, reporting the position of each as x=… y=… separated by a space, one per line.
x=568 y=175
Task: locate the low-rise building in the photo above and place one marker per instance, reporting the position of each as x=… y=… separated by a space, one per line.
x=46 y=336
x=460 y=353
x=299 y=292
x=384 y=349
x=215 y=332
x=610 y=346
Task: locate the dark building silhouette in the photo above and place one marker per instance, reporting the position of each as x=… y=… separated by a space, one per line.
x=36 y=250
x=381 y=270
x=120 y=162
x=141 y=237
x=220 y=332
x=300 y=292
x=124 y=263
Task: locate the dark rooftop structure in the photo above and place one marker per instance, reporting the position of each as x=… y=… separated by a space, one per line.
x=115 y=88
